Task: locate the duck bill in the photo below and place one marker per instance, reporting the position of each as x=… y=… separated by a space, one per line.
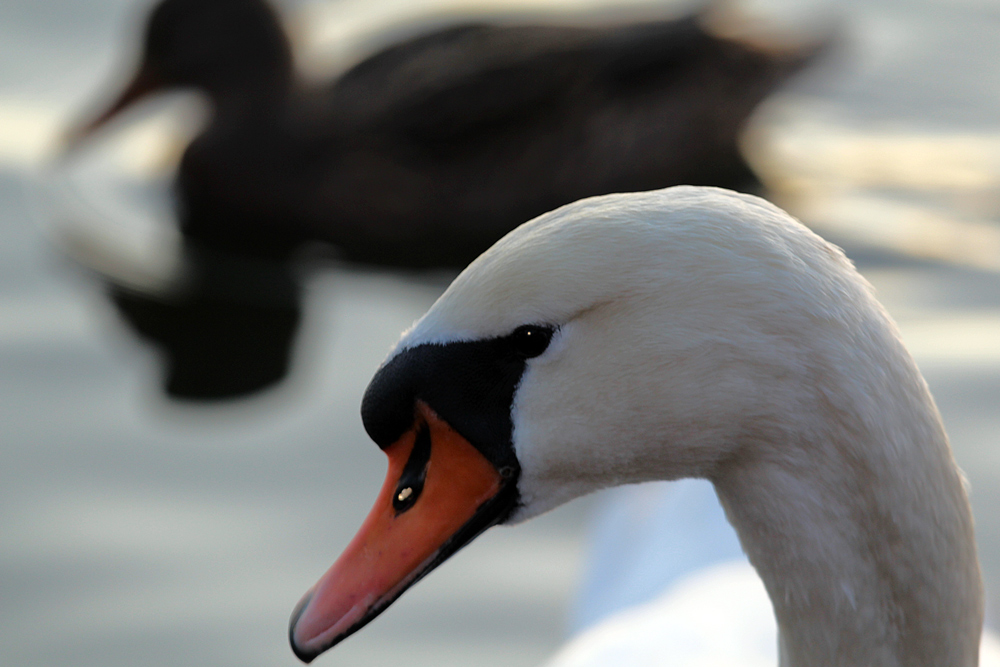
x=146 y=81
x=412 y=529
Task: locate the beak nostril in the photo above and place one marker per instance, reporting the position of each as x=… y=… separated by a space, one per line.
x=411 y=481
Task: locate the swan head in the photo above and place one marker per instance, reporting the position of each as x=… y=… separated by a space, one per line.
x=618 y=339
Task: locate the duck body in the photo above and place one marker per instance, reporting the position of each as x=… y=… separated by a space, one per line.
x=420 y=156
x=426 y=153
x=687 y=332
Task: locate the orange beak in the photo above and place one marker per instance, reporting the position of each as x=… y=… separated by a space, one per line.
x=439 y=494
x=146 y=81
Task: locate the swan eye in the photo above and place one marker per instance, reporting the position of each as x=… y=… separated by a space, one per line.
x=531 y=340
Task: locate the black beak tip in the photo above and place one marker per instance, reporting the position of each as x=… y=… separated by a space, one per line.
x=304 y=655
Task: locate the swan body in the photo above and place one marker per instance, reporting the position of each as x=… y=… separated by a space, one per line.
x=719 y=615
x=686 y=332
x=645 y=538
x=667 y=584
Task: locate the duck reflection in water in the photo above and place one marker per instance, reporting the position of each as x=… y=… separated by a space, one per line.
x=420 y=156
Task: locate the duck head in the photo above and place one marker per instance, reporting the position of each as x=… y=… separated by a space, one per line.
x=210 y=45
x=618 y=339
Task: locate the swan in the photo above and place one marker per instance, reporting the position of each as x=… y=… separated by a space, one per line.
x=685 y=332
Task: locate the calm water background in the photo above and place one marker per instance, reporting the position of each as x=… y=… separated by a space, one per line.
x=137 y=531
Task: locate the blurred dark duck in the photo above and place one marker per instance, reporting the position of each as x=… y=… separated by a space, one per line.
x=425 y=153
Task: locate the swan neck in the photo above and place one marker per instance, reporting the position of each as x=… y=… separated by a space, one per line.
x=866 y=547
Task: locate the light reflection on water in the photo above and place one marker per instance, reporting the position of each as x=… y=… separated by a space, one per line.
x=931 y=192
x=133 y=530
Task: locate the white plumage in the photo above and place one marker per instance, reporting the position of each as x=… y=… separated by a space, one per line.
x=667 y=584
x=644 y=538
